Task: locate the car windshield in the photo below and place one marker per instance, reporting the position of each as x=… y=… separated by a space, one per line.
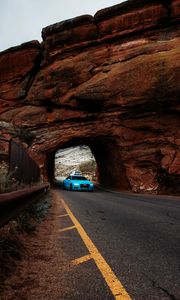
x=78 y=178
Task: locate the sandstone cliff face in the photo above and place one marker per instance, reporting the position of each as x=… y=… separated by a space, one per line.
x=110 y=82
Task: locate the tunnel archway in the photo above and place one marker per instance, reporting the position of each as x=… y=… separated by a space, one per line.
x=110 y=167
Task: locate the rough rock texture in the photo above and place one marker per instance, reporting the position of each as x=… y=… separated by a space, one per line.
x=110 y=82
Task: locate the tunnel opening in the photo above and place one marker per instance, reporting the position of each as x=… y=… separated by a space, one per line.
x=75 y=159
x=105 y=157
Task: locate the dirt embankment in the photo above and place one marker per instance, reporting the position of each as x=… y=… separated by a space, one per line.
x=28 y=253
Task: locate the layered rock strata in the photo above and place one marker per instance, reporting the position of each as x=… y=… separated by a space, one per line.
x=110 y=82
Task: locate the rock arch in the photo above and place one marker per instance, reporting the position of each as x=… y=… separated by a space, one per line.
x=111 y=170
x=110 y=81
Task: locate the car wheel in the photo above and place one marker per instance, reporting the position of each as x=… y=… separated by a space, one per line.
x=71 y=187
x=64 y=186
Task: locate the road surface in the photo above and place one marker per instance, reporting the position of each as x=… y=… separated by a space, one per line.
x=138 y=237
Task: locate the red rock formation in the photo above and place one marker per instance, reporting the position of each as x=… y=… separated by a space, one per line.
x=111 y=82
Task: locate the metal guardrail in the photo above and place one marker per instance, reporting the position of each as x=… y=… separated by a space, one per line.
x=11 y=204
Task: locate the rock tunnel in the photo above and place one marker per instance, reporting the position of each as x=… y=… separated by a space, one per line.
x=110 y=82
x=110 y=168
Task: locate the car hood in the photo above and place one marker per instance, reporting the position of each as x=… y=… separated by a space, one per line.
x=81 y=181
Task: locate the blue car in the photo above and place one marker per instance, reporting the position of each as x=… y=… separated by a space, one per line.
x=78 y=183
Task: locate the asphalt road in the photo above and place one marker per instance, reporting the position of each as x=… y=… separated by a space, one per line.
x=139 y=237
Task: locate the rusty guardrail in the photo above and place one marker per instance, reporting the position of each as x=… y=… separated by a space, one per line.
x=11 y=204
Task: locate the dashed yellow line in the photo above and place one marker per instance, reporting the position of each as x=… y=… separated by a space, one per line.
x=81 y=260
x=112 y=281
x=62 y=216
x=67 y=228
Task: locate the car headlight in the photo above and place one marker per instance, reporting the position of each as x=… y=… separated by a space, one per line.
x=91 y=184
x=76 y=184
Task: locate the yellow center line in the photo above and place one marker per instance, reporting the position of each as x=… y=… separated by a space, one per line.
x=66 y=229
x=82 y=259
x=112 y=281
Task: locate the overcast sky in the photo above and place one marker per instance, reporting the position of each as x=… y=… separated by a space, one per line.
x=22 y=20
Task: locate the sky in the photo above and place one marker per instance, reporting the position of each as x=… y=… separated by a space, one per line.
x=22 y=20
